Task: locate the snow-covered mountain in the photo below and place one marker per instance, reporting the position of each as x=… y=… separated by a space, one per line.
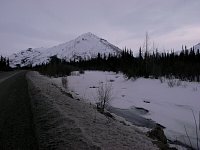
x=196 y=47
x=85 y=46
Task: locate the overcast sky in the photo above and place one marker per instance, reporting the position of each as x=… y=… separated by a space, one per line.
x=45 y=23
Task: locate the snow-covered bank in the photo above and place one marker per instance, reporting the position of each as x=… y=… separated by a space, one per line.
x=171 y=107
x=66 y=123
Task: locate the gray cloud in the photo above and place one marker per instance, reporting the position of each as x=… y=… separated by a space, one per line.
x=36 y=23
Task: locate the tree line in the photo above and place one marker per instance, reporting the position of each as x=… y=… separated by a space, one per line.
x=56 y=67
x=4 y=64
x=184 y=65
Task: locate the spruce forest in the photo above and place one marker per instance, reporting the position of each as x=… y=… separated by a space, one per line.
x=183 y=65
x=4 y=64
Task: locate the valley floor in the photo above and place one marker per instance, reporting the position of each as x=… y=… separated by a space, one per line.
x=66 y=123
x=172 y=107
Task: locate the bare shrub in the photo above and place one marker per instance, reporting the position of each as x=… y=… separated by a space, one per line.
x=162 y=79
x=184 y=85
x=199 y=123
x=178 y=82
x=134 y=79
x=75 y=73
x=104 y=95
x=196 y=129
x=171 y=83
x=194 y=89
x=188 y=136
x=64 y=82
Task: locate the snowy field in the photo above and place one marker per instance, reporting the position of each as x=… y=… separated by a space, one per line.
x=62 y=122
x=171 y=107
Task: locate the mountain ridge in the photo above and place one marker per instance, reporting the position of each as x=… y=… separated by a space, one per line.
x=84 y=46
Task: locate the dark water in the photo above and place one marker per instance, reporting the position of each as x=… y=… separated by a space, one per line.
x=134 y=115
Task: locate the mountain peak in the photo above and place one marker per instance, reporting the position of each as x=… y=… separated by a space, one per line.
x=85 y=46
x=88 y=35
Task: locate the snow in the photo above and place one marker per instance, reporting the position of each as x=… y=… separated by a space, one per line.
x=85 y=46
x=170 y=107
x=196 y=47
x=65 y=123
x=26 y=57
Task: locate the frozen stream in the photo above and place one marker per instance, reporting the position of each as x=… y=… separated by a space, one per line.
x=134 y=116
x=171 y=107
